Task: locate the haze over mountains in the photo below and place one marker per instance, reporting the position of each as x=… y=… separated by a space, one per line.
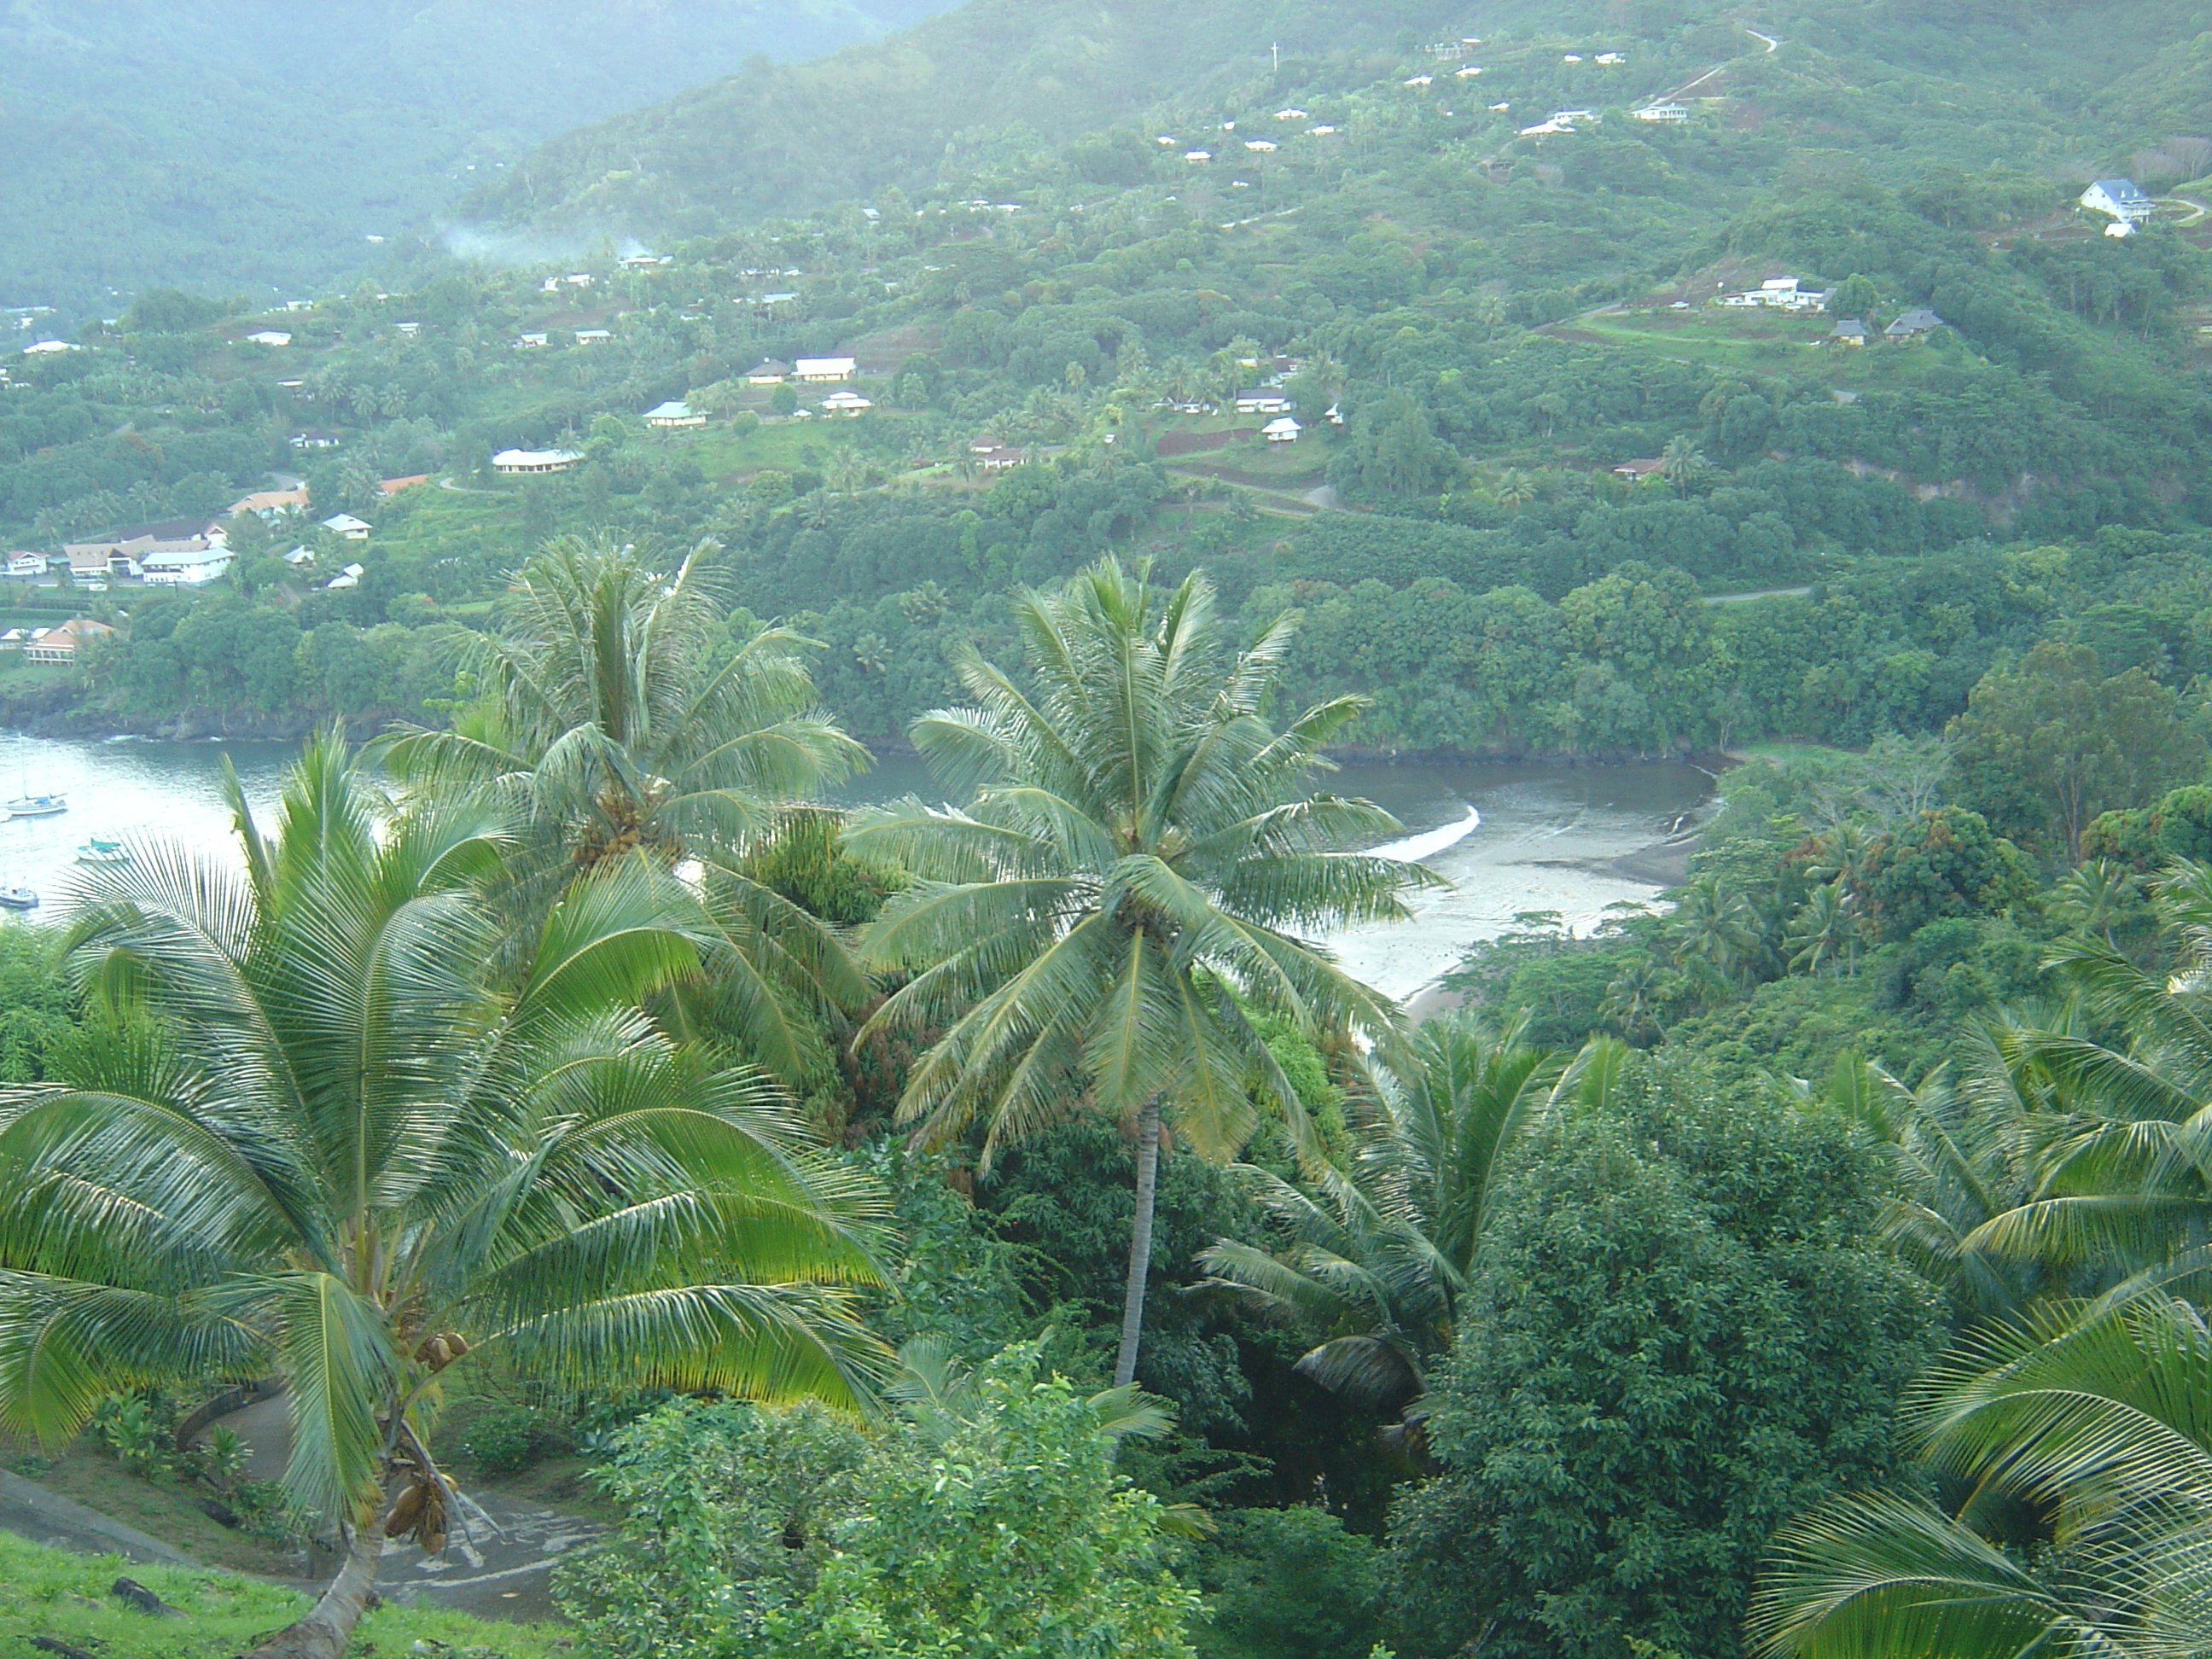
x=258 y=144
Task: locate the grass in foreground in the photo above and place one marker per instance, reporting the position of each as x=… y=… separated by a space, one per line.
x=52 y=1593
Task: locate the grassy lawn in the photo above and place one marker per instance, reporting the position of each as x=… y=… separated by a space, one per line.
x=49 y=1593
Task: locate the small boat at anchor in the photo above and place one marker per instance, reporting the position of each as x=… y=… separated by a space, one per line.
x=37 y=806
x=100 y=850
x=18 y=898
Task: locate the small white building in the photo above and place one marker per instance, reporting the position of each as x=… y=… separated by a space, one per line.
x=27 y=564
x=768 y=371
x=1263 y=146
x=532 y=342
x=1467 y=72
x=183 y=569
x=674 y=416
x=348 y=577
x=1322 y=132
x=1291 y=115
x=846 y=403
x=1198 y=157
x=1610 y=57
x=592 y=337
x=2118 y=198
x=270 y=337
x=47 y=348
x=311 y=438
x=299 y=556
x=1263 y=400
x=1663 y=112
x=1001 y=461
x=346 y=527
x=1281 y=430
x=531 y=462
x=1420 y=81
x=822 y=370
x=407 y=331
x=59 y=645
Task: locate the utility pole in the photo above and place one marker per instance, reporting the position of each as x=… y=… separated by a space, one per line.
x=1276 y=49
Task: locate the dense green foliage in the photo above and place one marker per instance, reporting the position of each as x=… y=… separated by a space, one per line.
x=1679 y=1336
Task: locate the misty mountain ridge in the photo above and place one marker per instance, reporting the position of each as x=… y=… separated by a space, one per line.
x=255 y=144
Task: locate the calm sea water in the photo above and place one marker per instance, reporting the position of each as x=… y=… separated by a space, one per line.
x=1510 y=838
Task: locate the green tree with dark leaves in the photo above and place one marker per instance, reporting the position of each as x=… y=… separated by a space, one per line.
x=1679 y=1336
x=2046 y=745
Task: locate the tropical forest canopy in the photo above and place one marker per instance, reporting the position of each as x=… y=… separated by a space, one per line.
x=938 y=1228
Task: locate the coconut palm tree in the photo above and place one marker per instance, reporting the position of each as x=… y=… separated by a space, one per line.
x=617 y=714
x=1378 y=1252
x=1716 y=929
x=1824 y=933
x=329 y=1140
x=2125 y=1160
x=1135 y=870
x=2097 y=1418
x=2094 y=896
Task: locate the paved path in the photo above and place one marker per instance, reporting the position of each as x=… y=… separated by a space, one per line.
x=29 y=1510
x=498 y=1559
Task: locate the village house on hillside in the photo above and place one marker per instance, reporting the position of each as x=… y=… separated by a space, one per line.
x=823 y=369
x=60 y=645
x=183 y=551
x=1913 y=324
x=2118 y=198
x=768 y=371
x=527 y=463
x=674 y=415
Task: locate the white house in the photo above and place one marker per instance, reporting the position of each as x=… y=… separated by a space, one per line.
x=1420 y=80
x=270 y=337
x=1911 y=324
x=299 y=556
x=646 y=261
x=348 y=577
x=529 y=463
x=591 y=337
x=2118 y=198
x=1281 y=430
x=408 y=331
x=768 y=371
x=1335 y=416
x=1198 y=156
x=822 y=368
x=46 y=347
x=1290 y=115
x=175 y=569
x=846 y=403
x=999 y=460
x=314 y=440
x=1264 y=146
x=1661 y=112
x=1611 y=58
x=530 y=341
x=674 y=416
x=1467 y=72
x=346 y=527
x=27 y=564
x=1322 y=132
x=1263 y=400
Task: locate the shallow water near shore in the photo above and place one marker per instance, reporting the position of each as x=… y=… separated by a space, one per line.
x=1511 y=837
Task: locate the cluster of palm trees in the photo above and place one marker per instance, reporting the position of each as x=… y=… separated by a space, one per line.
x=483 y=1047
x=2061 y=1194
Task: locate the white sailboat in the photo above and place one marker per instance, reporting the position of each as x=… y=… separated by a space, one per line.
x=26 y=805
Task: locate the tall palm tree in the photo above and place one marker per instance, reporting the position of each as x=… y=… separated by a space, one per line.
x=615 y=714
x=2125 y=1158
x=1715 y=927
x=1136 y=869
x=1379 y=1252
x=2098 y=1418
x=1824 y=934
x=331 y=1142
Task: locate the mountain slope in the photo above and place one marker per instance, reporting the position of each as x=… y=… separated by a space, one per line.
x=250 y=142
x=785 y=139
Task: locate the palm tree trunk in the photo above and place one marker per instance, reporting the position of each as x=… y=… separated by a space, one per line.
x=1140 y=1240
x=325 y=1631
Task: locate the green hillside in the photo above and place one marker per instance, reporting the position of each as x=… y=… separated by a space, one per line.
x=1501 y=320
x=245 y=145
